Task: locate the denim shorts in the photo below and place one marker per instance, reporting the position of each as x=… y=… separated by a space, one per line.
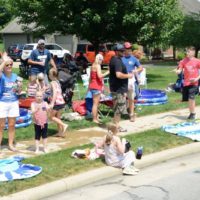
x=95 y=92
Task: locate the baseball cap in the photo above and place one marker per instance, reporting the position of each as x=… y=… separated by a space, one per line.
x=127 y=45
x=41 y=41
x=119 y=47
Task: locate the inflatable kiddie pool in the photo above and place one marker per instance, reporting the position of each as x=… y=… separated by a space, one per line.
x=25 y=102
x=151 y=97
x=23 y=120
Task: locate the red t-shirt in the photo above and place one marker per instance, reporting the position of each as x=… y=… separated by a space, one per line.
x=191 y=67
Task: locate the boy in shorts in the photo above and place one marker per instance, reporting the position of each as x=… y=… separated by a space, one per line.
x=190 y=67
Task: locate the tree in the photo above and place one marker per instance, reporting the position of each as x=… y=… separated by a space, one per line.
x=5 y=13
x=99 y=21
x=189 y=35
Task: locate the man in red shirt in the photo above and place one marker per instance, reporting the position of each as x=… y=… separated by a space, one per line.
x=190 y=67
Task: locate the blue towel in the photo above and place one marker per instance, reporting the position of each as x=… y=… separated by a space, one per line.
x=12 y=168
x=186 y=129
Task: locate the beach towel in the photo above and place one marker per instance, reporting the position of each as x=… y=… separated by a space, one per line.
x=12 y=168
x=186 y=129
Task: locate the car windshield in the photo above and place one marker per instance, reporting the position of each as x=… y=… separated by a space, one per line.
x=28 y=47
x=81 y=48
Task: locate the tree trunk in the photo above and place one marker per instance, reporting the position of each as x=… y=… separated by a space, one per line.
x=196 y=51
x=174 y=52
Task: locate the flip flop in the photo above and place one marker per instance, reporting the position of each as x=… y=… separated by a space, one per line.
x=120 y=129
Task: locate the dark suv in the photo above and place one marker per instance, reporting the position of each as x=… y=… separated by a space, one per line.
x=15 y=51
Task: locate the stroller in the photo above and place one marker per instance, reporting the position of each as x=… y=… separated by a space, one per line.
x=67 y=76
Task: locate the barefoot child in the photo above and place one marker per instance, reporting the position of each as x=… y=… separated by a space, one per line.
x=57 y=103
x=40 y=110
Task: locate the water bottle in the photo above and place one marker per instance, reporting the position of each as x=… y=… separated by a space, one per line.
x=139 y=152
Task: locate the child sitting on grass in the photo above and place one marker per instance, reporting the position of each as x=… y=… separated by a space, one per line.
x=115 y=154
x=40 y=110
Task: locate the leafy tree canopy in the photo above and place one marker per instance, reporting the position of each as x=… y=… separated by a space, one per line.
x=189 y=35
x=98 y=21
x=5 y=13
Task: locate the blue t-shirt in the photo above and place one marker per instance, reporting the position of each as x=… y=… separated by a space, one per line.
x=8 y=88
x=130 y=62
x=39 y=56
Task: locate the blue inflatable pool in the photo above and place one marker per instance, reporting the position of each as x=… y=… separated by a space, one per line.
x=151 y=97
x=23 y=120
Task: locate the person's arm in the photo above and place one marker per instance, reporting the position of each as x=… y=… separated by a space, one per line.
x=99 y=72
x=32 y=62
x=1 y=68
x=53 y=96
x=121 y=75
x=33 y=109
x=120 y=144
x=53 y=63
x=179 y=69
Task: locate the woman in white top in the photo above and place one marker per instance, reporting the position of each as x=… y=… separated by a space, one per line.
x=115 y=155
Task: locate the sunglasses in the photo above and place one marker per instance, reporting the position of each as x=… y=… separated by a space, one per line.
x=7 y=65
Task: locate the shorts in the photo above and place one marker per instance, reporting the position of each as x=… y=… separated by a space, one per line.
x=40 y=132
x=34 y=73
x=58 y=107
x=95 y=92
x=189 y=92
x=119 y=101
x=9 y=109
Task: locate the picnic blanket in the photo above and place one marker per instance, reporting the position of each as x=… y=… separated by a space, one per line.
x=186 y=129
x=12 y=168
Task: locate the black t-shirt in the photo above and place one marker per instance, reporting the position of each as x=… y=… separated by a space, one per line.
x=116 y=84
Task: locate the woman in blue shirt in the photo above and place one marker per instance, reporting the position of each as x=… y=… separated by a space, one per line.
x=9 y=105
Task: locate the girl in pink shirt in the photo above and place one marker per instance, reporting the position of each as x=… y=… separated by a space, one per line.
x=57 y=103
x=40 y=110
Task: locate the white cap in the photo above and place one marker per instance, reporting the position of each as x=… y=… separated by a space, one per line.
x=41 y=41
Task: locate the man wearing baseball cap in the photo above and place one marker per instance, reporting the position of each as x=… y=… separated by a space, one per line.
x=40 y=59
x=133 y=66
x=118 y=80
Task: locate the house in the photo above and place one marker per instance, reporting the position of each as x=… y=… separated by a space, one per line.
x=13 y=33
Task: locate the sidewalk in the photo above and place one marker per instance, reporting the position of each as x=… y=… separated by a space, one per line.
x=85 y=136
x=88 y=135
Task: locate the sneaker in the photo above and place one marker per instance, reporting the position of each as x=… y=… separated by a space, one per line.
x=191 y=116
x=129 y=171
x=134 y=168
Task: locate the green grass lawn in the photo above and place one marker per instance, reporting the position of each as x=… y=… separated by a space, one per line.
x=152 y=141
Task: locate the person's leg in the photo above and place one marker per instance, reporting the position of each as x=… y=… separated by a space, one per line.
x=37 y=137
x=55 y=116
x=96 y=99
x=11 y=133
x=192 y=105
x=2 y=125
x=44 y=137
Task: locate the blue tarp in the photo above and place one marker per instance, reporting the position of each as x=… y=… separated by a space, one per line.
x=12 y=168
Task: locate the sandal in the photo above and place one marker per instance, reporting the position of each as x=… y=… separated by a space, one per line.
x=120 y=129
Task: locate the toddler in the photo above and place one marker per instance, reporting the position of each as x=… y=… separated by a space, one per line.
x=32 y=86
x=40 y=110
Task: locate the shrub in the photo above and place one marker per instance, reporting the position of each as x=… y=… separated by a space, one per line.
x=180 y=55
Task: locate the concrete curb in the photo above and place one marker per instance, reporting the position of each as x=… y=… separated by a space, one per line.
x=92 y=176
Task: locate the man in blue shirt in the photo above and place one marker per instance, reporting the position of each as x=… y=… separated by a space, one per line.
x=133 y=66
x=40 y=59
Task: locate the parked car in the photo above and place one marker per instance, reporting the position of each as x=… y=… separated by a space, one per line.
x=54 y=49
x=89 y=52
x=15 y=51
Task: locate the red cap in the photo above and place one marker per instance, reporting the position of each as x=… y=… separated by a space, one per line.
x=127 y=45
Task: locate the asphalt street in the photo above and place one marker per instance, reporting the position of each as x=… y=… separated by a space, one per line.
x=176 y=179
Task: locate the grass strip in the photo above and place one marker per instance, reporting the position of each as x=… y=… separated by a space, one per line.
x=59 y=164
